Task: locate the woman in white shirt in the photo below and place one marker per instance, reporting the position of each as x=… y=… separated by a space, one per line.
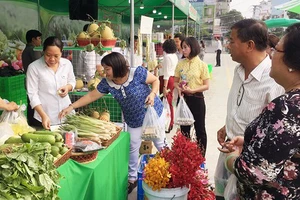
x=48 y=81
x=166 y=74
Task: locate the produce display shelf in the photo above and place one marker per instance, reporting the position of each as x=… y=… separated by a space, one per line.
x=107 y=100
x=75 y=48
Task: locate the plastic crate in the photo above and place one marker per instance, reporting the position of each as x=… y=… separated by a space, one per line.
x=143 y=160
x=112 y=105
x=12 y=83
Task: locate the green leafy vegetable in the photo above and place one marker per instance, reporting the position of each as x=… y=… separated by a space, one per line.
x=27 y=172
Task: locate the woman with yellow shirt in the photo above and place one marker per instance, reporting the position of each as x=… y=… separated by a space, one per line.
x=194 y=72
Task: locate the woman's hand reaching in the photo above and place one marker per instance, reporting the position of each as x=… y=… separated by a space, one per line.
x=65 y=111
x=150 y=99
x=46 y=122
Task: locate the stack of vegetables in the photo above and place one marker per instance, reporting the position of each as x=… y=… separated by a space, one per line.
x=27 y=172
x=48 y=138
x=89 y=127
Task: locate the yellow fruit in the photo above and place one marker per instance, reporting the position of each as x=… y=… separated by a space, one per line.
x=92 y=29
x=79 y=84
x=107 y=33
x=95 y=114
x=96 y=35
x=105 y=116
x=83 y=35
x=92 y=84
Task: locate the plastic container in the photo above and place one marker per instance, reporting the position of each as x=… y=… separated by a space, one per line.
x=12 y=83
x=144 y=160
x=108 y=43
x=166 y=193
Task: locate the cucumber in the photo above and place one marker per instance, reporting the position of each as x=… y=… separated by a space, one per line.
x=54 y=151
x=14 y=140
x=63 y=150
x=60 y=145
x=26 y=137
x=58 y=136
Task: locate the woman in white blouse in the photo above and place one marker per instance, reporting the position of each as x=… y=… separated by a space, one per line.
x=48 y=81
x=166 y=74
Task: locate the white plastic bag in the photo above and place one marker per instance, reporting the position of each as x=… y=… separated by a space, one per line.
x=183 y=115
x=221 y=175
x=230 y=192
x=17 y=120
x=167 y=112
x=6 y=132
x=152 y=128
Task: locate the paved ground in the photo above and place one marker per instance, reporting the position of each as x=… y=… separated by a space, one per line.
x=216 y=101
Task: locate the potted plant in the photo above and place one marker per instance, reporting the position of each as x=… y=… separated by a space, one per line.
x=175 y=172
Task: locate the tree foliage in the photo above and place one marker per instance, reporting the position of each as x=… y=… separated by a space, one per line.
x=228 y=19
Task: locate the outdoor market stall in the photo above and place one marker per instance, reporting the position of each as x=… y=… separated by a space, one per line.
x=104 y=178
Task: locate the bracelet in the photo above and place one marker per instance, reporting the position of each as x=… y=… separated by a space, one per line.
x=153 y=92
x=72 y=106
x=228 y=158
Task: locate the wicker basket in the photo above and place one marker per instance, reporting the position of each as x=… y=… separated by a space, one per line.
x=106 y=143
x=63 y=158
x=84 y=157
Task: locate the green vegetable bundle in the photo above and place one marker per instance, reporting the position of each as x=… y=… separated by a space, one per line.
x=27 y=172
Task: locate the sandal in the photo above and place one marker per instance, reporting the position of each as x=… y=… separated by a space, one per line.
x=131 y=186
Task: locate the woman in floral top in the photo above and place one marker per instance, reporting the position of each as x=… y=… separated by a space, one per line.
x=266 y=161
x=130 y=87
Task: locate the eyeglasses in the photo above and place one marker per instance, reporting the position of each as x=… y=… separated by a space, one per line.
x=240 y=95
x=274 y=49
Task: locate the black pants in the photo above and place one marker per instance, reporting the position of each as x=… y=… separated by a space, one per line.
x=218 y=57
x=30 y=113
x=198 y=109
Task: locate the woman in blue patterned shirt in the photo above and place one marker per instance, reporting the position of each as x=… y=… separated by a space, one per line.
x=266 y=161
x=130 y=87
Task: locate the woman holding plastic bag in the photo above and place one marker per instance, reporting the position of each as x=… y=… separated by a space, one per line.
x=166 y=76
x=130 y=87
x=9 y=106
x=191 y=80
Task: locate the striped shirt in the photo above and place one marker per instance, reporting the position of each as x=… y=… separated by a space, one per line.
x=247 y=98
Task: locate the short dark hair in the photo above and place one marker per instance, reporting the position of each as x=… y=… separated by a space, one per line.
x=272 y=40
x=291 y=47
x=118 y=64
x=193 y=44
x=32 y=34
x=180 y=36
x=135 y=38
x=169 y=46
x=251 y=29
x=53 y=41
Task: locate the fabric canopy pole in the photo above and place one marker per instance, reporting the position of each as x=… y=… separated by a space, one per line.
x=173 y=27
x=131 y=32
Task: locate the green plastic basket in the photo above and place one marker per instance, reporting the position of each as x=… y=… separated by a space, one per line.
x=11 y=84
x=112 y=105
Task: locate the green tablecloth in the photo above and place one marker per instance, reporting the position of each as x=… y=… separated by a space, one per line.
x=103 y=179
